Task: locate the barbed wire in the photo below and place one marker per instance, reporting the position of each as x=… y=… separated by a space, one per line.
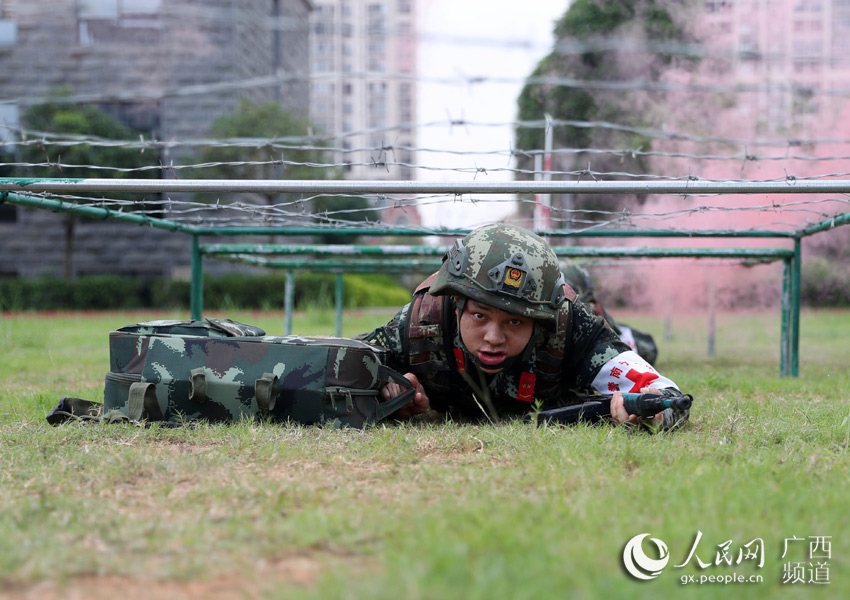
x=241 y=85
x=21 y=137
x=218 y=212
x=383 y=163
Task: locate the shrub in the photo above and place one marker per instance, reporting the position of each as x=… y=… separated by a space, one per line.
x=170 y=294
x=101 y=292
x=225 y=292
x=97 y=292
x=824 y=283
x=374 y=290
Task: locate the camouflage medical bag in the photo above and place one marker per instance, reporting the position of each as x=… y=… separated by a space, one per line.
x=221 y=370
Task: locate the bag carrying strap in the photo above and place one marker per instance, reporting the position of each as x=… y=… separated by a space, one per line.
x=143 y=401
x=197 y=385
x=265 y=389
x=385 y=409
x=75 y=408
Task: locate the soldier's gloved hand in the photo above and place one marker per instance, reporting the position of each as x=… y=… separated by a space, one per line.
x=417 y=406
x=618 y=410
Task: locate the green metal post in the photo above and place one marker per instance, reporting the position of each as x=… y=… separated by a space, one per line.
x=795 y=307
x=338 y=303
x=785 y=334
x=196 y=301
x=288 y=302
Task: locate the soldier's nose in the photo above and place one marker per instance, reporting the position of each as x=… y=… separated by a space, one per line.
x=494 y=335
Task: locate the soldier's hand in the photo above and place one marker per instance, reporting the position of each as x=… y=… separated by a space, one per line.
x=618 y=410
x=417 y=406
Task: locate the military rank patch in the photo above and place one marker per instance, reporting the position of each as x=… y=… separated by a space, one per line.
x=460 y=361
x=526 y=387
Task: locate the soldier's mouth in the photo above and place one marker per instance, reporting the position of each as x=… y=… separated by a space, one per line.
x=491 y=359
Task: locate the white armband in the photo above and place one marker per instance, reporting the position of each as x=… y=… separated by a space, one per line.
x=628 y=372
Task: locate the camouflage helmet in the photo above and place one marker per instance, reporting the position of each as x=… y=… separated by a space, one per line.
x=507 y=267
x=579 y=279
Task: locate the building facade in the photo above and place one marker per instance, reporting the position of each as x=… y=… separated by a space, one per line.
x=364 y=92
x=793 y=54
x=168 y=68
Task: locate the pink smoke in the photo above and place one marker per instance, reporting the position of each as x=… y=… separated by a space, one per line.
x=748 y=124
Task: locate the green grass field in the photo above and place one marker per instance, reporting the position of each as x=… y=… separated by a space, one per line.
x=430 y=509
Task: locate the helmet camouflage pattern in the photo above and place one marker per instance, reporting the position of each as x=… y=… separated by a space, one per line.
x=507 y=267
x=579 y=279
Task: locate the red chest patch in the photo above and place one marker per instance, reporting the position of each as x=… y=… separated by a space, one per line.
x=526 y=387
x=460 y=361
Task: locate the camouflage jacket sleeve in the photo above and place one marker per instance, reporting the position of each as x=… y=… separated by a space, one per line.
x=390 y=336
x=593 y=344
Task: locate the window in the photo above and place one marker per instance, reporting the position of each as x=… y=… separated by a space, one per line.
x=118 y=21
x=115 y=9
x=808 y=5
x=405 y=102
x=8 y=27
x=323 y=88
x=716 y=5
x=10 y=121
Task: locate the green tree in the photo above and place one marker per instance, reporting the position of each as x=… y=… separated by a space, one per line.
x=86 y=159
x=297 y=160
x=639 y=28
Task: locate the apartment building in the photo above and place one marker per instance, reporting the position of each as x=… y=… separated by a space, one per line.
x=364 y=91
x=793 y=56
x=165 y=67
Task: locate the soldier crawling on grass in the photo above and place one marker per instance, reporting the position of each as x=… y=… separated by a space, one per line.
x=579 y=279
x=496 y=332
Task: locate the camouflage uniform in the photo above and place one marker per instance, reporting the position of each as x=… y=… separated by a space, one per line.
x=642 y=343
x=592 y=344
x=513 y=270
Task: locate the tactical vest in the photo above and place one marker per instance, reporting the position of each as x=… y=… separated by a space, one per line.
x=438 y=361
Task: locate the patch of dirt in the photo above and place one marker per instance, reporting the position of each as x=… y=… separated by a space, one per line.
x=302 y=570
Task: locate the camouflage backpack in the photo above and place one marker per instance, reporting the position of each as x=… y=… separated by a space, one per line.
x=221 y=370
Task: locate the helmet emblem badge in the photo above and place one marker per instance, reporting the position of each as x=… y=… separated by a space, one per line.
x=514 y=277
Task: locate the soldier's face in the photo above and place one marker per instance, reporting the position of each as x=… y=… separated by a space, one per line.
x=493 y=335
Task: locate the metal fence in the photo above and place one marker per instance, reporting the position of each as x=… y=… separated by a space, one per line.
x=68 y=196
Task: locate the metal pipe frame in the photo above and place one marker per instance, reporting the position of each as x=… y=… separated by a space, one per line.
x=688 y=186
x=19 y=191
